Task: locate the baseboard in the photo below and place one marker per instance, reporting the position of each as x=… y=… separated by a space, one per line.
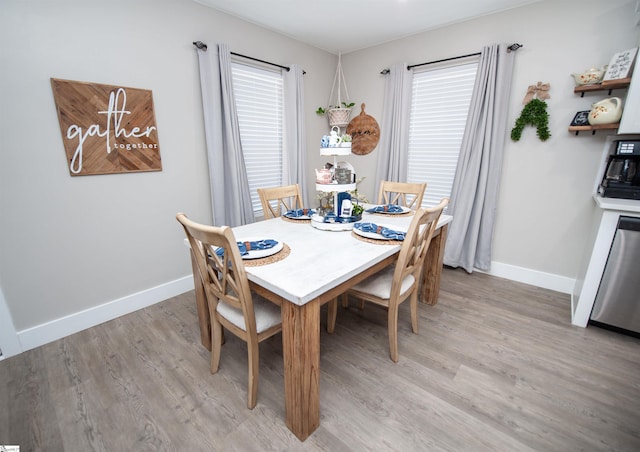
x=66 y=326
x=9 y=344
x=71 y=324
x=536 y=278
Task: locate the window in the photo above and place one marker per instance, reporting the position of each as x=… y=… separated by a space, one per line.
x=439 y=105
x=260 y=106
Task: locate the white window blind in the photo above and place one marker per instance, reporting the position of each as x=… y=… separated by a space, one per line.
x=260 y=106
x=439 y=105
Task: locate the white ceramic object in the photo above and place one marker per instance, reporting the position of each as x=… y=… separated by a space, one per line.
x=607 y=111
x=590 y=76
x=323 y=176
x=375 y=235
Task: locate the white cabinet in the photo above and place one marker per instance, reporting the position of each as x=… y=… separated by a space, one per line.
x=606 y=216
x=630 y=122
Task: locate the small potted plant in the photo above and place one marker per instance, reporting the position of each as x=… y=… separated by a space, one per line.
x=356 y=212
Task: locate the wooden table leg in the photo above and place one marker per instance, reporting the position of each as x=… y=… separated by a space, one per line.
x=433 y=267
x=301 y=350
x=202 y=306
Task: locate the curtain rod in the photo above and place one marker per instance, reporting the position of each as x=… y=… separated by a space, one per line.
x=201 y=45
x=511 y=48
x=443 y=60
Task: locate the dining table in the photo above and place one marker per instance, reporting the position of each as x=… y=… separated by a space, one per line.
x=316 y=266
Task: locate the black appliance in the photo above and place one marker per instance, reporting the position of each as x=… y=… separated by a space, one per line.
x=622 y=174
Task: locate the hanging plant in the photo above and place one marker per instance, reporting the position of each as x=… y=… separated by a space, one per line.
x=533 y=114
x=337 y=112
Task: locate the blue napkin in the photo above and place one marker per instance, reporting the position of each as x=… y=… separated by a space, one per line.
x=299 y=213
x=383 y=231
x=386 y=208
x=245 y=247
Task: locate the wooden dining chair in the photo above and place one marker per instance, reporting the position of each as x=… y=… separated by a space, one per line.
x=231 y=303
x=402 y=193
x=277 y=200
x=395 y=284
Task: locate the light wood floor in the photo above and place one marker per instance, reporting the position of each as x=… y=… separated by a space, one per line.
x=496 y=367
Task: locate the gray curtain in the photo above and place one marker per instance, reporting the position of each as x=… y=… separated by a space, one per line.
x=393 y=146
x=476 y=183
x=295 y=153
x=230 y=196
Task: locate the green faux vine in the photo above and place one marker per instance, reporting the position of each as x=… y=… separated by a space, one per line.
x=534 y=114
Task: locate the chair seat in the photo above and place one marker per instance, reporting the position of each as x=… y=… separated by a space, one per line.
x=267 y=314
x=379 y=285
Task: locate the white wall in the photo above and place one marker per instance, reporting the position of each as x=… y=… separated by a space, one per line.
x=76 y=251
x=545 y=204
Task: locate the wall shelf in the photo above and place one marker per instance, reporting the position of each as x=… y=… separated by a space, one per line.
x=608 y=85
x=578 y=129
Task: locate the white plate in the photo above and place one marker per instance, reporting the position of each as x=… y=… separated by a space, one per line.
x=257 y=254
x=301 y=217
x=404 y=210
x=376 y=236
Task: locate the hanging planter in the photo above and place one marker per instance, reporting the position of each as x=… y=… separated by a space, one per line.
x=337 y=111
x=339 y=116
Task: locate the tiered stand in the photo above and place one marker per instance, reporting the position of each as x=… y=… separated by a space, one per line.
x=340 y=224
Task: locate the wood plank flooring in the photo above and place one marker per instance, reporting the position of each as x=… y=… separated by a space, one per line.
x=496 y=366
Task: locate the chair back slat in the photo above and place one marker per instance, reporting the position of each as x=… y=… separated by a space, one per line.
x=224 y=277
x=402 y=193
x=415 y=245
x=277 y=200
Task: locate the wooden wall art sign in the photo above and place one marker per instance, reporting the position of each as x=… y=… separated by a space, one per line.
x=106 y=129
x=365 y=133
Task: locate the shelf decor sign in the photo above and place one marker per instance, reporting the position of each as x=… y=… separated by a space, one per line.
x=106 y=129
x=621 y=65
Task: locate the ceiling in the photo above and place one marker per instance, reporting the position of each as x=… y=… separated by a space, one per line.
x=343 y=26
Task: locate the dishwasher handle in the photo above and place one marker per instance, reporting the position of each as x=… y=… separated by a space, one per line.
x=629 y=223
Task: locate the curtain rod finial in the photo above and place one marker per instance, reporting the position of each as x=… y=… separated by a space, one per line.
x=514 y=46
x=199 y=44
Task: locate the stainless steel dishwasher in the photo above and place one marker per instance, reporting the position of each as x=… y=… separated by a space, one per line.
x=617 y=302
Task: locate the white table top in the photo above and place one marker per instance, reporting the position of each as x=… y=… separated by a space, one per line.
x=319 y=260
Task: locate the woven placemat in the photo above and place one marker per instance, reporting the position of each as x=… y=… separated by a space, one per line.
x=376 y=241
x=291 y=220
x=284 y=252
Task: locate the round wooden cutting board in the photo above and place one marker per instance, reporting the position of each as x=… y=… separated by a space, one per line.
x=365 y=133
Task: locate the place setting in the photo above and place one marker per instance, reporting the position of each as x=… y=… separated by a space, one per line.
x=260 y=251
x=389 y=209
x=380 y=234
x=298 y=215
